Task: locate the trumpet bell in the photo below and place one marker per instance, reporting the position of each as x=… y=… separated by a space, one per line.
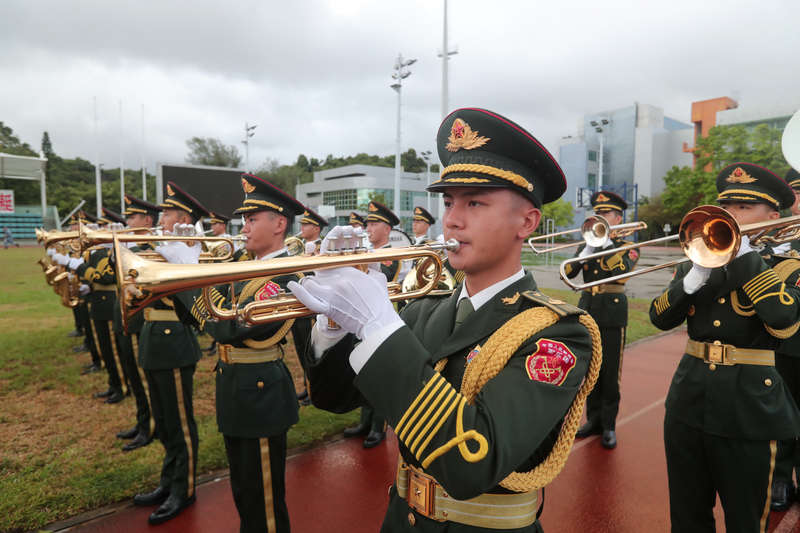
x=710 y=236
x=595 y=231
x=790 y=141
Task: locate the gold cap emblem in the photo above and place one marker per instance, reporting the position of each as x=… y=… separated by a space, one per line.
x=247 y=186
x=462 y=136
x=373 y=207
x=740 y=176
x=417 y=211
x=127 y=200
x=170 y=192
x=602 y=198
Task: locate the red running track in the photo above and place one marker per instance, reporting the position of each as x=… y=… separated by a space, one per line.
x=342 y=487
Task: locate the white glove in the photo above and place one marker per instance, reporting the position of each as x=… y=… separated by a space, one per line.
x=311 y=247
x=61 y=259
x=83 y=290
x=75 y=262
x=180 y=253
x=358 y=302
x=696 y=278
x=587 y=250
x=342 y=237
x=744 y=247
x=51 y=252
x=323 y=337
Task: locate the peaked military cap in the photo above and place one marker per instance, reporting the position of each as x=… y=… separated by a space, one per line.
x=111 y=216
x=83 y=216
x=217 y=218
x=311 y=217
x=135 y=206
x=420 y=213
x=793 y=179
x=749 y=183
x=377 y=212
x=606 y=201
x=355 y=218
x=177 y=198
x=479 y=148
x=261 y=195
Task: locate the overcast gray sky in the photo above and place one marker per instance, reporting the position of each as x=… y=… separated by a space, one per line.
x=315 y=74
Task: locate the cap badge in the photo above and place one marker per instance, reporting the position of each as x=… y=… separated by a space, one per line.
x=740 y=176
x=601 y=198
x=462 y=136
x=417 y=211
x=127 y=200
x=305 y=213
x=247 y=186
x=170 y=192
x=372 y=207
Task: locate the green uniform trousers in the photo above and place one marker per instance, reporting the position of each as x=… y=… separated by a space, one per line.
x=701 y=465
x=258 y=469
x=86 y=327
x=101 y=331
x=788 y=459
x=128 y=346
x=602 y=405
x=171 y=403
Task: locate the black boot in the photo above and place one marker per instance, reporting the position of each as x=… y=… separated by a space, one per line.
x=142 y=439
x=155 y=497
x=609 y=439
x=170 y=509
x=104 y=394
x=782 y=495
x=128 y=433
x=115 y=397
x=360 y=429
x=75 y=333
x=374 y=438
x=90 y=369
x=80 y=349
x=589 y=428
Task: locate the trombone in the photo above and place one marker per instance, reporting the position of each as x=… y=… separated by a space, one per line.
x=708 y=235
x=141 y=281
x=595 y=232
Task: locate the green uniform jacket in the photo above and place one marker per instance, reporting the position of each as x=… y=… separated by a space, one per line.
x=97 y=268
x=608 y=309
x=167 y=344
x=517 y=412
x=737 y=305
x=245 y=408
x=790 y=346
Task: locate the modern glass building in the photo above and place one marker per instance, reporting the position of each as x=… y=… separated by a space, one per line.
x=350 y=188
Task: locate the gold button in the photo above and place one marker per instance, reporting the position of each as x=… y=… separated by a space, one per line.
x=717 y=323
x=260 y=384
x=444 y=494
x=594 y=271
x=220 y=370
x=444 y=513
x=717 y=343
x=721 y=300
x=712 y=367
x=167 y=331
x=412 y=519
x=616 y=300
x=768 y=382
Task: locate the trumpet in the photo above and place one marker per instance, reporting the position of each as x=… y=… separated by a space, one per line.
x=295 y=245
x=709 y=236
x=141 y=282
x=595 y=232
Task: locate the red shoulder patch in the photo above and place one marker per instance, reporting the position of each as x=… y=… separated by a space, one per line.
x=268 y=291
x=633 y=254
x=551 y=362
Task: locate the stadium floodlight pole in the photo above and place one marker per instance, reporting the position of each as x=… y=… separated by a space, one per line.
x=97 y=188
x=401 y=72
x=599 y=126
x=144 y=172
x=121 y=167
x=426 y=155
x=445 y=55
x=248 y=132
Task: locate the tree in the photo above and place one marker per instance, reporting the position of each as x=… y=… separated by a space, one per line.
x=560 y=211
x=653 y=212
x=47 y=146
x=212 y=152
x=10 y=143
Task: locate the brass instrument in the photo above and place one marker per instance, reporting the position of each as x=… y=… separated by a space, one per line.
x=709 y=236
x=141 y=281
x=790 y=141
x=67 y=286
x=294 y=245
x=595 y=232
x=222 y=248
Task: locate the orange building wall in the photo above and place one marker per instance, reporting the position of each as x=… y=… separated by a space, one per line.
x=704 y=117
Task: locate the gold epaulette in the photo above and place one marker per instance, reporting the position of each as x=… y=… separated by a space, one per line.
x=559 y=307
x=786 y=268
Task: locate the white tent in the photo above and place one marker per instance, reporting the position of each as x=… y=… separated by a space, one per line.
x=22 y=167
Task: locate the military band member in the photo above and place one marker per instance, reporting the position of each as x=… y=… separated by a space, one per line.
x=168 y=354
x=727 y=406
x=143 y=215
x=219 y=224
x=787 y=363
x=608 y=305
x=310 y=230
x=357 y=221
x=256 y=404
x=420 y=225
x=463 y=437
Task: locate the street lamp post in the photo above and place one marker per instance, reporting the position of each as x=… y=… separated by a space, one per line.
x=426 y=155
x=401 y=72
x=599 y=126
x=248 y=132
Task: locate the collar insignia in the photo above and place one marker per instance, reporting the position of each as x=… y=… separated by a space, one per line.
x=170 y=192
x=602 y=198
x=740 y=176
x=462 y=136
x=511 y=300
x=247 y=186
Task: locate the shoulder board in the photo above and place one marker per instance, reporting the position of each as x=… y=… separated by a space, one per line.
x=786 y=268
x=791 y=254
x=560 y=307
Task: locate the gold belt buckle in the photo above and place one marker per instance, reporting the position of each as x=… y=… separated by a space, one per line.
x=596 y=289
x=421 y=493
x=716 y=353
x=223 y=353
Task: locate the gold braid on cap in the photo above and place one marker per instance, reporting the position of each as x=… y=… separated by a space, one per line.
x=507 y=175
x=746 y=194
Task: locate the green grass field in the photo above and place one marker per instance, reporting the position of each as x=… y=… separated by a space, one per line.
x=59 y=455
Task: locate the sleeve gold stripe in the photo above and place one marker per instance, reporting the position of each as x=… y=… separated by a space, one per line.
x=399 y=427
x=662 y=303
x=460 y=441
x=444 y=397
x=783 y=297
x=451 y=405
x=421 y=412
x=761 y=289
x=762 y=281
x=758 y=279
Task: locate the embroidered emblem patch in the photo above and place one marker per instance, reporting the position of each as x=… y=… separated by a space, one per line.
x=740 y=176
x=462 y=136
x=247 y=187
x=170 y=192
x=633 y=254
x=268 y=291
x=601 y=198
x=797 y=283
x=550 y=363
x=471 y=355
